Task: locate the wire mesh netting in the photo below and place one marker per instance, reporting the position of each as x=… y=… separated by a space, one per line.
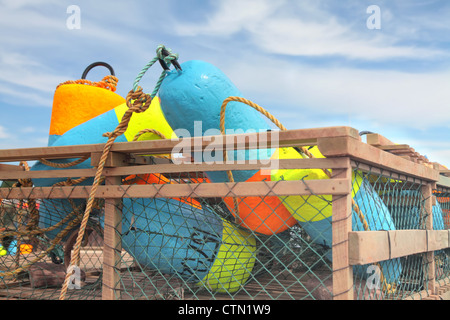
x=443 y=256
x=195 y=247
x=401 y=207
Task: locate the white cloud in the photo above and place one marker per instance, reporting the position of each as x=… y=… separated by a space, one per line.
x=37 y=49
x=16 y=96
x=29 y=78
x=419 y=100
x=263 y=37
x=25 y=80
x=3 y=133
x=300 y=38
x=305 y=29
x=231 y=16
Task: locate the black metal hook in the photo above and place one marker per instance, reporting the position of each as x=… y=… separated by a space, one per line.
x=175 y=63
x=96 y=64
x=365 y=132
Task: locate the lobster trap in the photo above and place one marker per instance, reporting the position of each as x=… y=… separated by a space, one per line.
x=368 y=220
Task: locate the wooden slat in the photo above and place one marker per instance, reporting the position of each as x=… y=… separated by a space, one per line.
x=279 y=164
x=239 y=141
x=402 y=150
x=349 y=147
x=66 y=173
x=376 y=139
x=395 y=147
x=383 y=172
x=114 y=159
x=407 y=153
x=60 y=152
x=177 y=168
x=341 y=226
x=112 y=246
x=438 y=239
x=373 y=246
x=438 y=166
x=368 y=247
x=205 y=190
x=10 y=167
x=443 y=182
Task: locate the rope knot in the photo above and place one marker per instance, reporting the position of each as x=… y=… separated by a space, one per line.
x=166 y=54
x=138 y=101
x=110 y=82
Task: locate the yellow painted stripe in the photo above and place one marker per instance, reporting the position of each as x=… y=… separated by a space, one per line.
x=306 y=208
x=234 y=262
x=152 y=118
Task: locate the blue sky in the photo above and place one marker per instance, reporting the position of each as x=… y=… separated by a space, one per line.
x=310 y=63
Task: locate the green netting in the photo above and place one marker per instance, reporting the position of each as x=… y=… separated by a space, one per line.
x=443 y=256
x=194 y=248
x=403 y=209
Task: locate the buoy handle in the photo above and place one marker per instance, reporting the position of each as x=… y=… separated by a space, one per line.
x=96 y=64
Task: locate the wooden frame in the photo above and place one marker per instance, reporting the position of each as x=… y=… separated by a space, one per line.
x=112 y=248
x=341 y=226
x=368 y=247
x=342 y=148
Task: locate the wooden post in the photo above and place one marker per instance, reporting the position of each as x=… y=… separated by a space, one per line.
x=342 y=225
x=112 y=247
x=429 y=270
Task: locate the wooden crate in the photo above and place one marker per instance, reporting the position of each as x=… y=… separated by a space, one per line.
x=341 y=146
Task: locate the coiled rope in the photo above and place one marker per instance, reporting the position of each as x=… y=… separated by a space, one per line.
x=108 y=82
x=63 y=165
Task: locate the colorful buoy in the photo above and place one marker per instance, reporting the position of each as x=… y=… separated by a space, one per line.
x=75 y=102
x=195 y=95
x=175 y=236
x=178 y=235
x=191 y=101
x=91 y=132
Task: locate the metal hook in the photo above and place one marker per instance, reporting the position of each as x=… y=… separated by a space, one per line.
x=96 y=64
x=365 y=132
x=175 y=63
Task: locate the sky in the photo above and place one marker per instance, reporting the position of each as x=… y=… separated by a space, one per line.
x=311 y=64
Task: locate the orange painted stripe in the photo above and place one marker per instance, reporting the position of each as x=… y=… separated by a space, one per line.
x=266 y=215
x=74 y=104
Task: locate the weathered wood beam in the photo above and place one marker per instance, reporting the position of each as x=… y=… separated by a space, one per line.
x=237 y=141
x=206 y=190
x=341 y=226
x=359 y=151
x=376 y=140
x=327 y=163
x=112 y=248
x=372 y=246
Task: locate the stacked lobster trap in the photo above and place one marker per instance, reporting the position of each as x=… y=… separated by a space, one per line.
x=368 y=220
